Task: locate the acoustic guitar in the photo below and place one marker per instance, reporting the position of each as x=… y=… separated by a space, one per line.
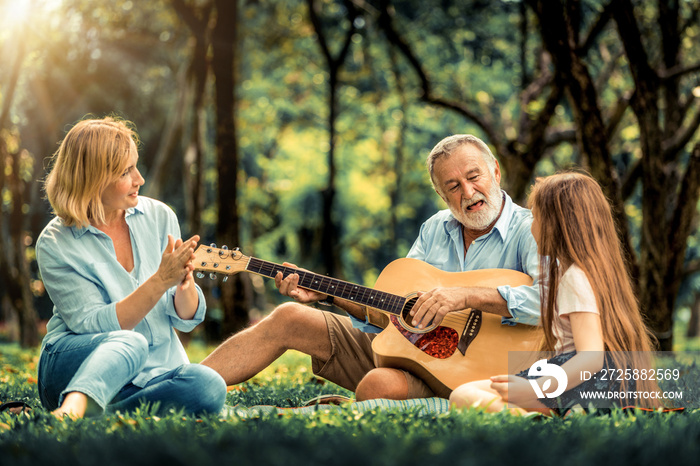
x=468 y=345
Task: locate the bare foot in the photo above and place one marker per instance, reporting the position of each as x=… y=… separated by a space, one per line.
x=74 y=406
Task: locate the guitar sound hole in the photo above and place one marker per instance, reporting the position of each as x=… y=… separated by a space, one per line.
x=406 y=316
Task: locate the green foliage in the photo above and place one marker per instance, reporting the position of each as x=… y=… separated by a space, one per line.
x=387 y=437
x=18 y=370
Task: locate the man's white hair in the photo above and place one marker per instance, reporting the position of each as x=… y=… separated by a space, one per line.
x=447 y=146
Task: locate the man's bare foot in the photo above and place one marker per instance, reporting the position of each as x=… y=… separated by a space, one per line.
x=74 y=406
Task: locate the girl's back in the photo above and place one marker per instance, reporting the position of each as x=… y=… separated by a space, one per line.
x=576 y=228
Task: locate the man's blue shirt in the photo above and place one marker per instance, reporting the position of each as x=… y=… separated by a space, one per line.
x=509 y=245
x=81 y=273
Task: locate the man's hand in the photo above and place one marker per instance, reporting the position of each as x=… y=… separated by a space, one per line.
x=435 y=304
x=288 y=286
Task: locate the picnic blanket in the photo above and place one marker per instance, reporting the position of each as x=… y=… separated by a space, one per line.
x=421 y=406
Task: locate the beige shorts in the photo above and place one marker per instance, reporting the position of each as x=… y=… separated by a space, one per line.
x=351 y=358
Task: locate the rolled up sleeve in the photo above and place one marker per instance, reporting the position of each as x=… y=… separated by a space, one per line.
x=180 y=323
x=524 y=301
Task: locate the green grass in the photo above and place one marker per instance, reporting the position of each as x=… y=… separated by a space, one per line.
x=388 y=437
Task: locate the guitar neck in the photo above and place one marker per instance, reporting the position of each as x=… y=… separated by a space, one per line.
x=387 y=302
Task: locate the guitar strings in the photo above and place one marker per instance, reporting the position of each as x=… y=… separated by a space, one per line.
x=368 y=296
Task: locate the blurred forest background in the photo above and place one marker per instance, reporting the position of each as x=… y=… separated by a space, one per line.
x=298 y=129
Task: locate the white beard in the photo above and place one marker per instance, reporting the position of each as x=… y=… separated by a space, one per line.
x=481 y=219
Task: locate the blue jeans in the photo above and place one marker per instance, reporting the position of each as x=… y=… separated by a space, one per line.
x=102 y=366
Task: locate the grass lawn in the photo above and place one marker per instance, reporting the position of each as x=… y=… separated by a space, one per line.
x=342 y=436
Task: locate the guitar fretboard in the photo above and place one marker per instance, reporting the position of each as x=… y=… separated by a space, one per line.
x=362 y=295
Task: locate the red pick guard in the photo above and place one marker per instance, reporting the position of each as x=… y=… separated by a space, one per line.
x=440 y=343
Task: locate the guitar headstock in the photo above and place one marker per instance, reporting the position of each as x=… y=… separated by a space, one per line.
x=219 y=260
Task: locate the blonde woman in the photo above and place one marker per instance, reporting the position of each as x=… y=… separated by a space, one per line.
x=121 y=281
x=590 y=315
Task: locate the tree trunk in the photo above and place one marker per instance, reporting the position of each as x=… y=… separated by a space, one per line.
x=666 y=214
x=227 y=229
x=162 y=170
x=197 y=19
x=399 y=151
x=13 y=262
x=329 y=236
x=194 y=153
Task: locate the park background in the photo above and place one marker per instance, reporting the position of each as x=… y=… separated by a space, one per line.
x=297 y=130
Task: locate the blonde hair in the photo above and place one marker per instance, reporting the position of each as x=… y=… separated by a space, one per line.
x=577 y=227
x=93 y=154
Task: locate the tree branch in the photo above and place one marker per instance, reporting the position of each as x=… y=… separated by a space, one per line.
x=340 y=59
x=188 y=14
x=333 y=62
x=691 y=267
x=678 y=71
x=633 y=176
x=598 y=26
x=607 y=71
x=617 y=113
x=316 y=22
x=560 y=136
x=645 y=77
x=676 y=142
x=536 y=87
x=386 y=24
x=536 y=129
x=685 y=211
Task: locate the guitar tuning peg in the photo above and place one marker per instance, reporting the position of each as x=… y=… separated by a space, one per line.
x=199 y=275
x=236 y=249
x=225 y=279
x=212 y=245
x=212 y=276
x=224 y=247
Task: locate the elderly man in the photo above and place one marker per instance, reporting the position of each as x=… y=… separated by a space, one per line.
x=482 y=229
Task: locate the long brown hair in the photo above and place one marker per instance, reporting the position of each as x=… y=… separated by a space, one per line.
x=577 y=227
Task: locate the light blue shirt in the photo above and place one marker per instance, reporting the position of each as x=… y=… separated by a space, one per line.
x=509 y=245
x=81 y=273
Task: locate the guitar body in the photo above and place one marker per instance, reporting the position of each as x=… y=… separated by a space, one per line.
x=487 y=351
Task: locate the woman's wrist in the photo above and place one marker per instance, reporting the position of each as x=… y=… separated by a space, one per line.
x=186 y=301
x=158 y=285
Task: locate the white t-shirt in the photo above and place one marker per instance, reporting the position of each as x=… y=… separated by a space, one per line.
x=575 y=295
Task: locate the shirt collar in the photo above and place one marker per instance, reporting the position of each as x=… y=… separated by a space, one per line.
x=79 y=231
x=501 y=226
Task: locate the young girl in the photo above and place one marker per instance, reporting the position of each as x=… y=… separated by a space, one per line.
x=590 y=316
